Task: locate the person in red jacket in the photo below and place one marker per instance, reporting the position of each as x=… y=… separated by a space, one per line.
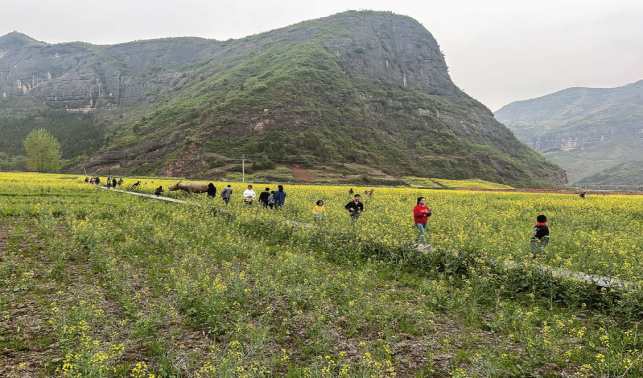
x=421 y=214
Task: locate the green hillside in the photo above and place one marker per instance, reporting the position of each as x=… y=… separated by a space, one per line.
x=627 y=175
x=369 y=88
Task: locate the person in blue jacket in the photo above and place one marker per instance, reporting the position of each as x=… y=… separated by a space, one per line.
x=279 y=196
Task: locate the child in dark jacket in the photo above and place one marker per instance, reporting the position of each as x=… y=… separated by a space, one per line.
x=540 y=237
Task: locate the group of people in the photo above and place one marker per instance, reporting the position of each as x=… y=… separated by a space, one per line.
x=539 y=238
x=111 y=181
x=267 y=198
x=276 y=199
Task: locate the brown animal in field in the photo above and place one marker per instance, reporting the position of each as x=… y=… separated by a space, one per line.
x=190 y=187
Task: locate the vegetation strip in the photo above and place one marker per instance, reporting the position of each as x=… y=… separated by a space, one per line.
x=128 y=288
x=600 y=281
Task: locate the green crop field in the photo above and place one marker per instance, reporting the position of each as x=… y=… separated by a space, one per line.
x=103 y=284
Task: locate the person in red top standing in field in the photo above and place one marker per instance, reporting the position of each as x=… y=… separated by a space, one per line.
x=421 y=214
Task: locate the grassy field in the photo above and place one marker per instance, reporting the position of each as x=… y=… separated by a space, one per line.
x=103 y=284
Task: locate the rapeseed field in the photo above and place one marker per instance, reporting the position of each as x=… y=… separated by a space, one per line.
x=103 y=284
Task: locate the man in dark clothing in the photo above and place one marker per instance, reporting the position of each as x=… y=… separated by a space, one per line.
x=212 y=190
x=263 y=197
x=540 y=237
x=226 y=193
x=159 y=190
x=355 y=208
x=582 y=195
x=114 y=182
x=279 y=196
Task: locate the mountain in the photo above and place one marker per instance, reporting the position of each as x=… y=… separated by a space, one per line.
x=588 y=131
x=368 y=88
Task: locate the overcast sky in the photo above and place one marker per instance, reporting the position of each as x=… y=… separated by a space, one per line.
x=498 y=51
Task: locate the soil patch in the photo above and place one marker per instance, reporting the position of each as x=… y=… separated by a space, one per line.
x=300 y=174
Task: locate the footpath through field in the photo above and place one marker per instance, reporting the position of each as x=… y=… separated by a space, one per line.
x=600 y=281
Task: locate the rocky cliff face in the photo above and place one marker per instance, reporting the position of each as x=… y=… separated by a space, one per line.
x=81 y=76
x=373 y=78
x=585 y=130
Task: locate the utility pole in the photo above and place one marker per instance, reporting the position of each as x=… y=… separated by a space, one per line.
x=243 y=168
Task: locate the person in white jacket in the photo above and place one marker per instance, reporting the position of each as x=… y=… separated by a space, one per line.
x=249 y=195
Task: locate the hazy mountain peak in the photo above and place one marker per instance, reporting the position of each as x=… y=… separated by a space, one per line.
x=585 y=130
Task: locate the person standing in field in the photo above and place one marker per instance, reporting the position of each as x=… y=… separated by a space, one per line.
x=249 y=195
x=226 y=193
x=212 y=190
x=271 y=199
x=279 y=196
x=159 y=190
x=355 y=208
x=421 y=214
x=540 y=237
x=263 y=197
x=319 y=211
x=114 y=182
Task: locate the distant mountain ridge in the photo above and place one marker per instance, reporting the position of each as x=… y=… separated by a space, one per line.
x=585 y=130
x=359 y=87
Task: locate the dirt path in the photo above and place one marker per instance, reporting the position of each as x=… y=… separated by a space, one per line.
x=299 y=173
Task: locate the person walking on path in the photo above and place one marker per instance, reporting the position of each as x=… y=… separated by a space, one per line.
x=421 y=214
x=540 y=237
x=355 y=208
x=159 y=190
x=114 y=182
x=249 y=195
x=226 y=193
x=280 y=196
x=212 y=190
x=263 y=197
x=319 y=211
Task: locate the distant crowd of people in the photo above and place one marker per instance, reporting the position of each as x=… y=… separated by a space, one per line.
x=277 y=199
x=110 y=182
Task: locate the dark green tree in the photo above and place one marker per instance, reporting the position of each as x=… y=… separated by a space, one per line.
x=43 y=151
